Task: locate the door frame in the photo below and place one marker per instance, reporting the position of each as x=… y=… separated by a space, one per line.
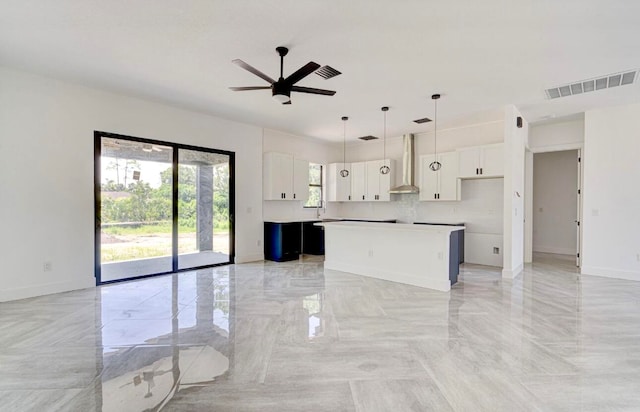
x=579 y=147
x=97 y=153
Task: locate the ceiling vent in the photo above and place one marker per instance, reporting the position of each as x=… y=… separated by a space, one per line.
x=365 y=138
x=423 y=120
x=585 y=86
x=327 y=72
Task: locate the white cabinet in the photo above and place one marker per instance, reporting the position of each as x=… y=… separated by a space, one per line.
x=443 y=184
x=364 y=183
x=338 y=188
x=300 y=180
x=378 y=185
x=481 y=161
x=359 y=181
x=368 y=184
x=285 y=178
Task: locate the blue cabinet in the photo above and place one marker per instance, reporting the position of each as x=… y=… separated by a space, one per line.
x=282 y=241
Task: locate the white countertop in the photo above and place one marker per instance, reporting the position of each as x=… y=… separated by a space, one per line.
x=323 y=218
x=292 y=220
x=394 y=226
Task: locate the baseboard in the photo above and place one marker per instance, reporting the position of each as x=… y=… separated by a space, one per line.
x=44 y=289
x=443 y=285
x=555 y=250
x=512 y=274
x=610 y=273
x=249 y=258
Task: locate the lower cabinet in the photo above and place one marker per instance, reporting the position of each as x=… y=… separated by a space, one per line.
x=282 y=241
x=312 y=239
x=286 y=241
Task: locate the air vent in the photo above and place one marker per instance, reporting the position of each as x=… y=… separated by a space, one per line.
x=367 y=138
x=589 y=85
x=327 y=72
x=423 y=120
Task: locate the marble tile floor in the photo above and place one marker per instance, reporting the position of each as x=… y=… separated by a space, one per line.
x=292 y=337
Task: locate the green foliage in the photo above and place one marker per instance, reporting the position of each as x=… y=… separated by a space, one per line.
x=139 y=202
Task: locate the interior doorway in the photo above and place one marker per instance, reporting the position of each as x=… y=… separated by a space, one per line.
x=556 y=203
x=160 y=207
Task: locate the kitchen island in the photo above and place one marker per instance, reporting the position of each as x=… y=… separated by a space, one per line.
x=418 y=255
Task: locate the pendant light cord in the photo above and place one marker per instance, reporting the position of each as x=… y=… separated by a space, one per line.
x=384 y=141
x=344 y=143
x=435 y=130
x=344 y=172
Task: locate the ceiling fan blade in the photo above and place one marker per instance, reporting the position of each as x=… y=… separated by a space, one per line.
x=302 y=72
x=253 y=70
x=242 y=89
x=311 y=90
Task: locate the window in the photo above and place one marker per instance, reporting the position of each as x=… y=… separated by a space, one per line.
x=315 y=185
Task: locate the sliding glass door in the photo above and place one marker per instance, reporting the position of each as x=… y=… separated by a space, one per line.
x=160 y=207
x=203 y=208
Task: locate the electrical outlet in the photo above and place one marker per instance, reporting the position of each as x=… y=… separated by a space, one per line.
x=47 y=266
x=259 y=242
x=496 y=250
x=440 y=255
x=370 y=252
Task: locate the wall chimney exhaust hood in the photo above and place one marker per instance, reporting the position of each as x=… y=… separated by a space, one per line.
x=408 y=167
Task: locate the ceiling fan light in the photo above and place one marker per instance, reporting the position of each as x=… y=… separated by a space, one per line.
x=281 y=98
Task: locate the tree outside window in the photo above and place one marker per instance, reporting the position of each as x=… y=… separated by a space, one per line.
x=315 y=185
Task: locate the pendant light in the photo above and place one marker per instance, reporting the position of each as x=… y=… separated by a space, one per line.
x=384 y=169
x=344 y=172
x=435 y=165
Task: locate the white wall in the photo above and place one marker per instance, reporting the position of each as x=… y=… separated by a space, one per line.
x=555 y=197
x=611 y=201
x=515 y=142
x=559 y=135
x=313 y=150
x=46 y=175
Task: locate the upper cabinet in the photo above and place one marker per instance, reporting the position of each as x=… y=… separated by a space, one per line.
x=300 y=180
x=359 y=181
x=378 y=185
x=338 y=187
x=364 y=183
x=285 y=178
x=481 y=161
x=441 y=185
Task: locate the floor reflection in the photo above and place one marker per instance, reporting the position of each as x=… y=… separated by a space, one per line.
x=174 y=335
x=181 y=336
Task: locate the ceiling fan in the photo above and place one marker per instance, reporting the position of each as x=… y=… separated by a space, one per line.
x=281 y=89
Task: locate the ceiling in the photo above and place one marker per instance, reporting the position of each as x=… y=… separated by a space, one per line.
x=478 y=55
